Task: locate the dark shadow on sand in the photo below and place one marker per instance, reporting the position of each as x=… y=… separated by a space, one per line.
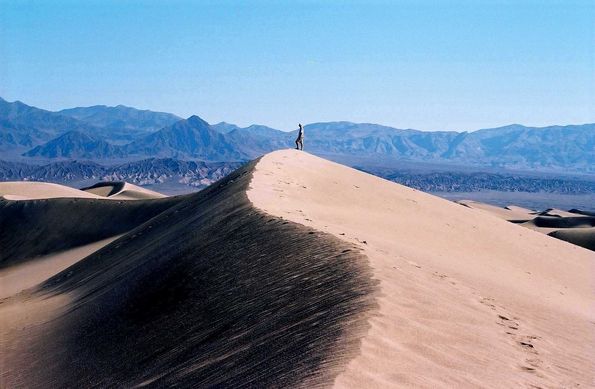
x=210 y=293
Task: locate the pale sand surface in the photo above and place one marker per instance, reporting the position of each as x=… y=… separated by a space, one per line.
x=466 y=299
x=516 y=208
x=508 y=213
x=27 y=190
x=29 y=273
x=561 y=213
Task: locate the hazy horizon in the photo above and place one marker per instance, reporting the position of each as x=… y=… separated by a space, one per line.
x=432 y=67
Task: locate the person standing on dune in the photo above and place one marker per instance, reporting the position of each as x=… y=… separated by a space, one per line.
x=299 y=142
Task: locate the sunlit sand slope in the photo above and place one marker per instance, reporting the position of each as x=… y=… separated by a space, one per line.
x=466 y=299
x=26 y=190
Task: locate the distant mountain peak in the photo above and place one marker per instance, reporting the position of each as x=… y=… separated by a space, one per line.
x=77 y=135
x=75 y=144
x=196 y=121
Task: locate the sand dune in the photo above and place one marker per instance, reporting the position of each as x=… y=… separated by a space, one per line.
x=557 y=213
x=510 y=213
x=120 y=190
x=516 y=208
x=15 y=279
x=26 y=190
x=211 y=292
x=574 y=226
x=584 y=237
x=296 y=271
x=34 y=228
x=117 y=190
x=466 y=299
x=563 y=222
x=581 y=212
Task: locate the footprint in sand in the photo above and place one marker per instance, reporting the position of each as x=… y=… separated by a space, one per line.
x=489 y=302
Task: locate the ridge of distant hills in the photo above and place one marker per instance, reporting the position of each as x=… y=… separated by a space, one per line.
x=166 y=172
x=176 y=176
x=124 y=133
x=76 y=143
x=126 y=122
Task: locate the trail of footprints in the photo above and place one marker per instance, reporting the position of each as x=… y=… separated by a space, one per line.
x=511 y=323
x=513 y=329
x=515 y=332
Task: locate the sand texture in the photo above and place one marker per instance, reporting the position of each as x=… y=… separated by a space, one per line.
x=118 y=190
x=32 y=228
x=26 y=190
x=466 y=299
x=211 y=292
x=292 y=271
x=574 y=226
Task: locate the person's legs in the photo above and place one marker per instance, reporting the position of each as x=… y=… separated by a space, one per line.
x=297 y=144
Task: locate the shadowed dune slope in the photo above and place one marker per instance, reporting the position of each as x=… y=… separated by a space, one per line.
x=105 y=189
x=211 y=292
x=584 y=237
x=556 y=213
x=563 y=222
x=581 y=212
x=122 y=191
x=31 y=228
x=297 y=271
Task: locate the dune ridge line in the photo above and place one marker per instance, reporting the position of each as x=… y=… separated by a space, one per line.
x=211 y=291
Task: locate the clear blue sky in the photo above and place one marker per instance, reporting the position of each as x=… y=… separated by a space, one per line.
x=458 y=65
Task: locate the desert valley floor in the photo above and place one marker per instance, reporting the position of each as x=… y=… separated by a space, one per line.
x=292 y=271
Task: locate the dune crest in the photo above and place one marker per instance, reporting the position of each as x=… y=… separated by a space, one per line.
x=209 y=292
x=34 y=228
x=465 y=299
x=116 y=190
x=295 y=271
x=28 y=190
x=119 y=190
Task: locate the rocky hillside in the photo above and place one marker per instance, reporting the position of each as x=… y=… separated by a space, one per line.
x=103 y=133
x=146 y=172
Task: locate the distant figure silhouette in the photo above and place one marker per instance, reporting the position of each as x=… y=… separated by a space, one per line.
x=299 y=142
